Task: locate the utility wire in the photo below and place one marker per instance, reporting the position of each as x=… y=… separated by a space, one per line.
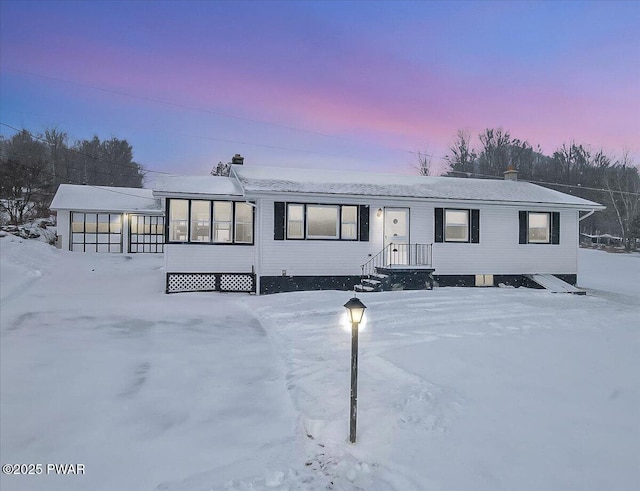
x=209 y=111
x=632 y=193
x=409 y=151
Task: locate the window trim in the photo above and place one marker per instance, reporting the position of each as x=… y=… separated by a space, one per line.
x=468 y=227
x=235 y=222
x=232 y=242
x=549 y=227
x=305 y=220
x=303 y=236
x=94 y=246
x=155 y=247
x=338 y=212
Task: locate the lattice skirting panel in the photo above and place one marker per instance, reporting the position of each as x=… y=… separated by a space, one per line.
x=211 y=282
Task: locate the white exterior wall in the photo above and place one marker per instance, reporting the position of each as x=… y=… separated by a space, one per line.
x=331 y=257
x=209 y=258
x=63 y=224
x=497 y=253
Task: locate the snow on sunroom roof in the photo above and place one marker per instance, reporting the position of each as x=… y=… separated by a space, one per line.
x=275 y=179
x=104 y=198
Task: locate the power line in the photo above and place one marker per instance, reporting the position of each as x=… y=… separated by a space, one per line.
x=209 y=111
x=468 y=174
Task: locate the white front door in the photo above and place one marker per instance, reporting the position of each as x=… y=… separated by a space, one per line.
x=396 y=231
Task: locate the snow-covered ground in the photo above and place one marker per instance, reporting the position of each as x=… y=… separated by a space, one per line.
x=459 y=389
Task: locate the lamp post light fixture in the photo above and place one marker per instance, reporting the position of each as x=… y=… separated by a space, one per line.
x=355 y=309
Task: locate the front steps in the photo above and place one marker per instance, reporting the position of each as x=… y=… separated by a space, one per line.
x=397 y=278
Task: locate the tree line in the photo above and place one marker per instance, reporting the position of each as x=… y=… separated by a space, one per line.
x=574 y=168
x=32 y=166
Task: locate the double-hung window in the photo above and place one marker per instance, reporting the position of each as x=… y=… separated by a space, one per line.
x=244 y=223
x=457 y=225
x=200 y=221
x=538 y=227
x=222 y=221
x=179 y=220
x=295 y=221
x=349 y=223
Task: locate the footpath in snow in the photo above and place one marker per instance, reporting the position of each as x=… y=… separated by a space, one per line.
x=459 y=388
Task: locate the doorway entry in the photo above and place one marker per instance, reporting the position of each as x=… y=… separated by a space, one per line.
x=396 y=231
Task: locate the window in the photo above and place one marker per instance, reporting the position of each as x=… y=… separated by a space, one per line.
x=96 y=232
x=146 y=233
x=456 y=228
x=200 y=221
x=178 y=220
x=457 y=225
x=349 y=223
x=539 y=227
x=222 y=221
x=295 y=221
x=322 y=222
x=204 y=221
x=244 y=223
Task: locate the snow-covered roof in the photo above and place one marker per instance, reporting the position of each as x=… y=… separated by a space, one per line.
x=104 y=198
x=195 y=185
x=278 y=180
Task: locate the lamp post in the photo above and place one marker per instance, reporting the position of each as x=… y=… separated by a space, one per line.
x=355 y=309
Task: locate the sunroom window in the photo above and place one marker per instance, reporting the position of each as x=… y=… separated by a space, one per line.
x=200 y=221
x=222 y=221
x=322 y=221
x=205 y=221
x=539 y=228
x=456 y=227
x=244 y=223
x=179 y=220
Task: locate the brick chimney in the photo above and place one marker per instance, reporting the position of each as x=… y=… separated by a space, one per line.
x=237 y=159
x=511 y=174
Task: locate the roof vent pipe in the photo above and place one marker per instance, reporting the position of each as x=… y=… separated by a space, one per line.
x=237 y=159
x=511 y=174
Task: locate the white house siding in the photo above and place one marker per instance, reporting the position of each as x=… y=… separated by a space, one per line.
x=209 y=258
x=499 y=251
x=63 y=220
x=331 y=257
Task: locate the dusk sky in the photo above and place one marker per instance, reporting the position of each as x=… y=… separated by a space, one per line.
x=341 y=85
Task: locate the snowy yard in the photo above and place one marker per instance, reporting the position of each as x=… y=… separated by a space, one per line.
x=459 y=389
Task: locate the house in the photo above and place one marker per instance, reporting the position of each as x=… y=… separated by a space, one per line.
x=270 y=230
x=108 y=219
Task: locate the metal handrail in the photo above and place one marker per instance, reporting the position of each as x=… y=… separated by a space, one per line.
x=399 y=255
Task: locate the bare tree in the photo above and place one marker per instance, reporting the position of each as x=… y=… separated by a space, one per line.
x=461 y=157
x=622 y=181
x=424 y=163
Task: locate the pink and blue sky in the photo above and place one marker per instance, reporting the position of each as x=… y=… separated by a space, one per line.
x=351 y=85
